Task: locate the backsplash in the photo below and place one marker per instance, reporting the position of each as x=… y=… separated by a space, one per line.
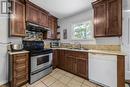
x=93 y=47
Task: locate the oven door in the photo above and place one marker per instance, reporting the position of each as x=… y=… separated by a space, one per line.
x=41 y=62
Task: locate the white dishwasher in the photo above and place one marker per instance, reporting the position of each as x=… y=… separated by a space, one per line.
x=103 y=69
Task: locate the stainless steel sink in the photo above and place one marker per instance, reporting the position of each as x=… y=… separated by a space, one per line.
x=78 y=48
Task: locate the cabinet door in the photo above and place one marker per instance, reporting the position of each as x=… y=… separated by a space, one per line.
x=100 y=18
x=61 y=59
x=53 y=27
x=82 y=67
x=55 y=58
x=114 y=18
x=44 y=19
x=32 y=14
x=71 y=64
x=17 y=20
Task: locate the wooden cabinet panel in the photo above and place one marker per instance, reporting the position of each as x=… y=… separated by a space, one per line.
x=18 y=69
x=62 y=61
x=71 y=64
x=74 y=62
x=44 y=19
x=107 y=18
x=114 y=18
x=17 y=20
x=55 y=58
x=53 y=27
x=100 y=17
x=82 y=65
x=32 y=14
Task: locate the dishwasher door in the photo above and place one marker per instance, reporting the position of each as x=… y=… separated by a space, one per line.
x=103 y=69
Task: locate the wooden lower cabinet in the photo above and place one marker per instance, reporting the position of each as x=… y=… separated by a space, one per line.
x=71 y=65
x=55 y=59
x=82 y=66
x=18 y=71
x=62 y=59
x=74 y=62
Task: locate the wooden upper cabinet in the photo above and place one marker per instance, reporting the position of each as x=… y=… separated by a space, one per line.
x=114 y=18
x=32 y=14
x=100 y=15
x=53 y=27
x=107 y=18
x=36 y=15
x=44 y=19
x=17 y=20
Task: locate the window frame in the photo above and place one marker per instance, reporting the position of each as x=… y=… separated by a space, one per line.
x=87 y=39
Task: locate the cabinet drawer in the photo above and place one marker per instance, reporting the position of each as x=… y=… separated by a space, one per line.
x=20 y=71
x=20 y=80
x=20 y=61
x=21 y=55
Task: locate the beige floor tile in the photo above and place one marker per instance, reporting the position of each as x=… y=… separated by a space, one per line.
x=57 y=75
x=65 y=79
x=49 y=81
x=57 y=84
x=46 y=77
x=74 y=83
x=89 y=83
x=53 y=72
x=40 y=85
x=62 y=72
x=79 y=79
x=32 y=85
x=57 y=69
x=84 y=85
x=69 y=75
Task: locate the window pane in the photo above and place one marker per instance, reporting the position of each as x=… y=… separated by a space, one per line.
x=82 y=31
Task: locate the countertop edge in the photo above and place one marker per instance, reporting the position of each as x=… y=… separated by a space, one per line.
x=94 y=51
x=19 y=52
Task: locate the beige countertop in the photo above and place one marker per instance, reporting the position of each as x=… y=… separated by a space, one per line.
x=95 y=51
x=18 y=52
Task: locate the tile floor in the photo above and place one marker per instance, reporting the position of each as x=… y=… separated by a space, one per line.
x=60 y=78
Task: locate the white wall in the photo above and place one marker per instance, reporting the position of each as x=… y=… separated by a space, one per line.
x=66 y=23
x=3 y=47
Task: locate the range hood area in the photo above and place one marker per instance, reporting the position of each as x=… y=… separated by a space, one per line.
x=36 y=28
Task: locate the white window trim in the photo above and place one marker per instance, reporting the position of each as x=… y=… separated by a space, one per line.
x=72 y=31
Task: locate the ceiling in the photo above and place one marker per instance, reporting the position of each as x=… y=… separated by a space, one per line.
x=63 y=8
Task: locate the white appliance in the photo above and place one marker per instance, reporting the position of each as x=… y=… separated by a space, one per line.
x=125 y=42
x=103 y=69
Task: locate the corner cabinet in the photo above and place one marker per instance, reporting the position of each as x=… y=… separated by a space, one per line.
x=17 y=19
x=18 y=69
x=107 y=18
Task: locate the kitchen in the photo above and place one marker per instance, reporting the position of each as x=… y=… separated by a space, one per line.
x=62 y=43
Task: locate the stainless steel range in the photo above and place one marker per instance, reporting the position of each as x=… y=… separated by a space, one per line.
x=40 y=60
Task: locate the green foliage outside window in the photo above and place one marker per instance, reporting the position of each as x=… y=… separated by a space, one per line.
x=82 y=30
